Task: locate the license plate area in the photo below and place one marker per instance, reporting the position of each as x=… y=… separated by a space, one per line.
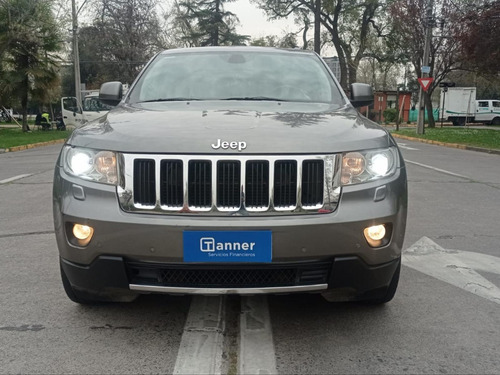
x=227 y=246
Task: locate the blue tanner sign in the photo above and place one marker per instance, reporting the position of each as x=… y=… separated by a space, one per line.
x=228 y=246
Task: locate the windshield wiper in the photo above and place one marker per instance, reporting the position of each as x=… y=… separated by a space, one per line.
x=257 y=98
x=179 y=99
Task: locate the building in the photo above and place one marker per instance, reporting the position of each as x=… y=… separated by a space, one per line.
x=388 y=99
x=334 y=65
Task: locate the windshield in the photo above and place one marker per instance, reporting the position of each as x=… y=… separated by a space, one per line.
x=236 y=75
x=93 y=104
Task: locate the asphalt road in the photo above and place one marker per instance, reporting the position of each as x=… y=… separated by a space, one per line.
x=444 y=319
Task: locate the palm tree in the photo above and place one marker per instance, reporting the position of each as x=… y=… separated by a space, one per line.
x=29 y=42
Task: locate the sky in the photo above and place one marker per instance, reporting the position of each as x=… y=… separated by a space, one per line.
x=253 y=21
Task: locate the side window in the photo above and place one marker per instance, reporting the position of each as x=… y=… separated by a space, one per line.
x=69 y=104
x=496 y=104
x=483 y=104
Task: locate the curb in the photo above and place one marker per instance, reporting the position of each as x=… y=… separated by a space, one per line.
x=30 y=146
x=452 y=145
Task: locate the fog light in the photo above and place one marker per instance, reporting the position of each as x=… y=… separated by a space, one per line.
x=378 y=235
x=83 y=233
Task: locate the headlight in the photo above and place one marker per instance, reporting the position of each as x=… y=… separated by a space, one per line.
x=93 y=165
x=364 y=166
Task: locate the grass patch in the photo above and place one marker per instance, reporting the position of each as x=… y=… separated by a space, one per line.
x=472 y=137
x=11 y=137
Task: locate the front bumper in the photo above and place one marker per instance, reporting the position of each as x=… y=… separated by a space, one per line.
x=336 y=239
x=344 y=278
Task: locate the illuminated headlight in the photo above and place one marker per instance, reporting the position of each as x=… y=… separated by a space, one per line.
x=364 y=166
x=93 y=165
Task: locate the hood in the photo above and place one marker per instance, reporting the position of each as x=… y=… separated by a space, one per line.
x=237 y=127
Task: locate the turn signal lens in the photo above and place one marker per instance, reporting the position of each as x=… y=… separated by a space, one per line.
x=105 y=164
x=353 y=164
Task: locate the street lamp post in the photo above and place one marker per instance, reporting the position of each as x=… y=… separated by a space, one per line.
x=425 y=62
x=317 y=27
x=76 y=54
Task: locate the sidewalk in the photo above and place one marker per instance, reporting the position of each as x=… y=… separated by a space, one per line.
x=452 y=145
x=30 y=146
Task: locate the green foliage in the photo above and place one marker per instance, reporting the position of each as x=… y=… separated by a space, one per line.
x=12 y=137
x=473 y=137
x=390 y=114
x=287 y=41
x=352 y=25
x=123 y=36
x=479 y=42
x=208 y=24
x=29 y=42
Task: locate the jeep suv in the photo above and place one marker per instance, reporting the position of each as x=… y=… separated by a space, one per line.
x=226 y=170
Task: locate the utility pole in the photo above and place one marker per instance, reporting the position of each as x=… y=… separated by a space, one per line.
x=76 y=55
x=317 y=27
x=429 y=21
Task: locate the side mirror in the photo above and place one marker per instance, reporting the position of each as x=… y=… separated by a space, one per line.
x=361 y=95
x=111 y=93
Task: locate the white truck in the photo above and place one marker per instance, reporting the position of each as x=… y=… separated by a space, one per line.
x=459 y=106
x=91 y=109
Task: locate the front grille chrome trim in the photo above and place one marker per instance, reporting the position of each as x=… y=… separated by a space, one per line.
x=219 y=291
x=331 y=185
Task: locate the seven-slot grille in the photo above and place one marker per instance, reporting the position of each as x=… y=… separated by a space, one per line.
x=227 y=184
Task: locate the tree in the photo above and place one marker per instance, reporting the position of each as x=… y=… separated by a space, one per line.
x=286 y=41
x=207 y=23
x=125 y=34
x=29 y=42
x=479 y=36
x=349 y=23
x=409 y=25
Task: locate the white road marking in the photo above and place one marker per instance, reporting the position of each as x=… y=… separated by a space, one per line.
x=437 y=169
x=454 y=267
x=256 y=339
x=6 y=181
x=403 y=145
x=201 y=347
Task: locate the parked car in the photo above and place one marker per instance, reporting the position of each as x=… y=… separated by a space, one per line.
x=231 y=170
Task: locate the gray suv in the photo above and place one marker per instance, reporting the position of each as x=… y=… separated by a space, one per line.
x=231 y=170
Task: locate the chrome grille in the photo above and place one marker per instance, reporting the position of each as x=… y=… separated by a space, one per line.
x=312 y=182
x=171 y=181
x=144 y=182
x=257 y=183
x=285 y=183
x=200 y=183
x=228 y=184
x=222 y=185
